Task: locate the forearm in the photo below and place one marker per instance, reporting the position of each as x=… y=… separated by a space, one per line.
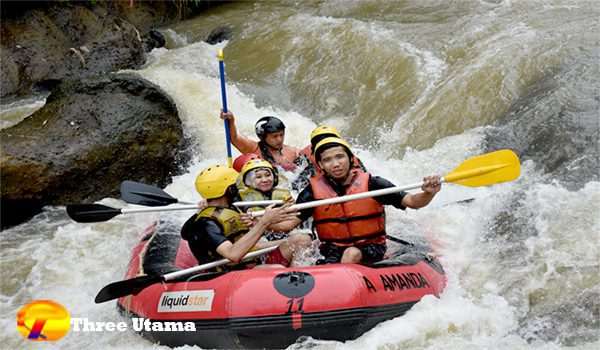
x=244 y=244
x=417 y=200
x=284 y=226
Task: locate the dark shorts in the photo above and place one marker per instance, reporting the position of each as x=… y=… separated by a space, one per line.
x=332 y=254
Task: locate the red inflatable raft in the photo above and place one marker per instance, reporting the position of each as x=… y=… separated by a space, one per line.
x=271 y=308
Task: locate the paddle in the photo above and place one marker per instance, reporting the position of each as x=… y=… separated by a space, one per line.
x=99 y=212
x=137 y=284
x=86 y=213
x=221 y=58
x=142 y=194
x=484 y=170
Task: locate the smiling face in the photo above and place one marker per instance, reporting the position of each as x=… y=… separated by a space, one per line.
x=275 y=139
x=262 y=179
x=335 y=162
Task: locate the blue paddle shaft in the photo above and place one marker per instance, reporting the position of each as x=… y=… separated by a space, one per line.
x=224 y=99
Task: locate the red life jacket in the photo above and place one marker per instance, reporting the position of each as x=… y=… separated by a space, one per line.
x=285 y=159
x=356 y=222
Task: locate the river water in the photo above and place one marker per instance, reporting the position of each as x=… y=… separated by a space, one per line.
x=417 y=87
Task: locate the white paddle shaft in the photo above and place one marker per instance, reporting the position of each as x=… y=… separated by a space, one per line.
x=210 y=265
x=194 y=207
x=349 y=197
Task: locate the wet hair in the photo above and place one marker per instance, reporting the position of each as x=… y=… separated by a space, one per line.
x=265 y=153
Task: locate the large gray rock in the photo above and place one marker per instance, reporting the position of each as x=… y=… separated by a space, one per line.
x=63 y=40
x=62 y=43
x=90 y=136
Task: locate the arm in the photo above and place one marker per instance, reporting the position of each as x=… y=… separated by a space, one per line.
x=285 y=226
x=431 y=186
x=242 y=143
x=305 y=196
x=236 y=251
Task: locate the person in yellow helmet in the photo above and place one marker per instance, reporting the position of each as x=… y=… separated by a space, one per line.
x=307 y=161
x=258 y=181
x=353 y=231
x=219 y=230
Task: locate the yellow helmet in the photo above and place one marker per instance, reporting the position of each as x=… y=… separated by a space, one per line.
x=256 y=164
x=213 y=181
x=331 y=141
x=324 y=130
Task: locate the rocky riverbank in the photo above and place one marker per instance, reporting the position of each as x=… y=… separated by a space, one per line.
x=97 y=128
x=43 y=42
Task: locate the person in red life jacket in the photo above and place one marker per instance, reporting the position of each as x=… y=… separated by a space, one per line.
x=271 y=134
x=353 y=231
x=218 y=230
x=307 y=161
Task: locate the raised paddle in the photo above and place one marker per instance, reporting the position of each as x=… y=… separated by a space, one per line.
x=484 y=170
x=137 y=284
x=142 y=194
x=221 y=58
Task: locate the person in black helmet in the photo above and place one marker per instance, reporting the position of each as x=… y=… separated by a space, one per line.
x=271 y=133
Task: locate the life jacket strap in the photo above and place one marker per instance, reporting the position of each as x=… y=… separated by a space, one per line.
x=344 y=220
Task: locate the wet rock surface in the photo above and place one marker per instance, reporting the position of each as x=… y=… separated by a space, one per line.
x=90 y=136
x=43 y=41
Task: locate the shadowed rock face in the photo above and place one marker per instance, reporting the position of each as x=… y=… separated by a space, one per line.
x=63 y=43
x=90 y=136
x=62 y=40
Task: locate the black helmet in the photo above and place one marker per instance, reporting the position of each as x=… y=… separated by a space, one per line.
x=267 y=125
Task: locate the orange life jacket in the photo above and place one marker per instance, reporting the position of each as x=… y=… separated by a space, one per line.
x=359 y=222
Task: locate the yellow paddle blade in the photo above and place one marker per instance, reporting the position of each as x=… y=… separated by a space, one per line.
x=486 y=169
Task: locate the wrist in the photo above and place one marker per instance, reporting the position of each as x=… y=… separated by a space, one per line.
x=262 y=224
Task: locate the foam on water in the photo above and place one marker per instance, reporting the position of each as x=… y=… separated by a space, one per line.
x=516 y=256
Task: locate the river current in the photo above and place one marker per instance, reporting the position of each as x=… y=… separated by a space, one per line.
x=416 y=87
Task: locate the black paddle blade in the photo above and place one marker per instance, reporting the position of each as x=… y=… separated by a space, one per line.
x=142 y=194
x=91 y=212
x=119 y=289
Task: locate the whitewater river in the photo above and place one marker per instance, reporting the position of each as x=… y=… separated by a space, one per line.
x=417 y=87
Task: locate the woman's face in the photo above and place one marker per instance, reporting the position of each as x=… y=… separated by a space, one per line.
x=263 y=180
